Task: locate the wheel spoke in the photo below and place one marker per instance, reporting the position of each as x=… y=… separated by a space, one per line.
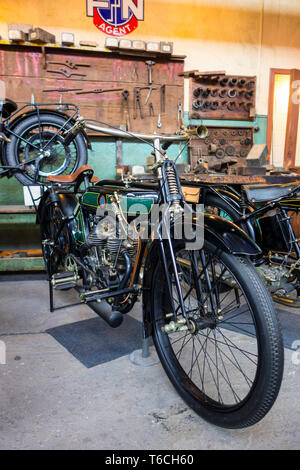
x=225 y=377
x=220 y=360
x=60 y=159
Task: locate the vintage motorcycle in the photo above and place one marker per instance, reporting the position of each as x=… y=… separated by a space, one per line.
x=31 y=141
x=212 y=320
x=265 y=213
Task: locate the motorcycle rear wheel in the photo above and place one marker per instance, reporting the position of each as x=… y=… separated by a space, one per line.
x=32 y=136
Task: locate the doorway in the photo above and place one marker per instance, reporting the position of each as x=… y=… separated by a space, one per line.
x=283 y=119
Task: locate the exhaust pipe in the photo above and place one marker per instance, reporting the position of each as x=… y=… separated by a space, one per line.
x=105 y=311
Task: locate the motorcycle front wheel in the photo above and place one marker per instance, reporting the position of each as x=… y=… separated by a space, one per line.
x=228 y=364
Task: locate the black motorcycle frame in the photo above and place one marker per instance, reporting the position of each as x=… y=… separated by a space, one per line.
x=248 y=214
x=269 y=225
x=215 y=228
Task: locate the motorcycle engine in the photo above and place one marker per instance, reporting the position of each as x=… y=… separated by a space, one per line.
x=274 y=276
x=110 y=250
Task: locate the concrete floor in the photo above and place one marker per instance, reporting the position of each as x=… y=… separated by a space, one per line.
x=50 y=400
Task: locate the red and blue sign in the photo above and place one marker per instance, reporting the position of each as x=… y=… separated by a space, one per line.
x=116 y=17
x=101 y=201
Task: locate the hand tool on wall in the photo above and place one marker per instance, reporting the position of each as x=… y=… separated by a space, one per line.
x=180 y=114
x=137 y=102
x=67 y=73
x=125 y=105
x=150 y=64
x=135 y=75
x=223 y=93
x=70 y=64
x=151 y=109
x=159 y=124
x=241 y=83
x=149 y=92
x=198 y=104
x=206 y=92
x=163 y=99
x=61 y=90
x=98 y=91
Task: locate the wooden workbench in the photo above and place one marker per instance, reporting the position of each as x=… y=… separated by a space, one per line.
x=222 y=179
x=235 y=180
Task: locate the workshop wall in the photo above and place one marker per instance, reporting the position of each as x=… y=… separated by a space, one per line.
x=240 y=36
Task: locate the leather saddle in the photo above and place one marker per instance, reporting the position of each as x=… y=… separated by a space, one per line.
x=266 y=193
x=8 y=107
x=75 y=178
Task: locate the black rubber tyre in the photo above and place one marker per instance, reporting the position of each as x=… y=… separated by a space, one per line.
x=244 y=346
x=62 y=159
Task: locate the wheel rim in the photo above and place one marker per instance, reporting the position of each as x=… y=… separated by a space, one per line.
x=59 y=155
x=58 y=158
x=218 y=365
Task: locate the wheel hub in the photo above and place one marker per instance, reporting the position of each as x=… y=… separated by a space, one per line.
x=50 y=155
x=210 y=321
x=195 y=324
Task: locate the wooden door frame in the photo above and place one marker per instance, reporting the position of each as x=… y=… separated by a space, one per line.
x=292 y=125
x=273 y=72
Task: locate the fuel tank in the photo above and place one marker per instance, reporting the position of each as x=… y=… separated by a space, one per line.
x=133 y=200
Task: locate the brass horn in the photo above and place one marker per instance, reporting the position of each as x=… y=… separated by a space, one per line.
x=200 y=131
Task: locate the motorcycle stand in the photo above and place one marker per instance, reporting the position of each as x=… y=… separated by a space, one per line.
x=51 y=300
x=144 y=357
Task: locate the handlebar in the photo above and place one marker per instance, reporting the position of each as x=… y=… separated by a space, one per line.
x=131 y=135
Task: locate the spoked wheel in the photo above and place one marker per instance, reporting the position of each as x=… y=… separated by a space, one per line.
x=42 y=138
x=228 y=363
x=55 y=241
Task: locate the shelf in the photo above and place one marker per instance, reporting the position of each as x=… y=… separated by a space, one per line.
x=17 y=215
x=21 y=260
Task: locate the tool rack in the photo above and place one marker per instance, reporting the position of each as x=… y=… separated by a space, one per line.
x=83 y=76
x=221 y=96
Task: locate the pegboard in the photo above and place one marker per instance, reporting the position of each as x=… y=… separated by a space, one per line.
x=28 y=70
x=222 y=97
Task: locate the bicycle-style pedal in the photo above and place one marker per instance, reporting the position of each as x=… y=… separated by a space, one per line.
x=64 y=280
